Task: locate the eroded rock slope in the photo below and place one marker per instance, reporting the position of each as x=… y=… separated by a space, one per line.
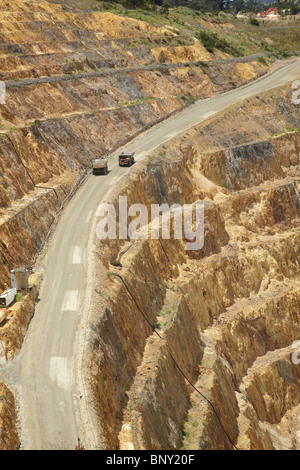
x=228 y=313
x=77 y=84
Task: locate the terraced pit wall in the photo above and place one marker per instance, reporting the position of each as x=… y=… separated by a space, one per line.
x=228 y=313
x=77 y=85
x=53 y=152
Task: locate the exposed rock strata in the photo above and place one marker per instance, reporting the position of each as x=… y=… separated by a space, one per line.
x=228 y=313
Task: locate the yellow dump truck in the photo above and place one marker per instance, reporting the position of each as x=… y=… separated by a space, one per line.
x=126 y=159
x=100 y=166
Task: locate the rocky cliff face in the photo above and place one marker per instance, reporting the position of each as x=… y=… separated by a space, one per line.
x=225 y=315
x=77 y=84
x=9 y=439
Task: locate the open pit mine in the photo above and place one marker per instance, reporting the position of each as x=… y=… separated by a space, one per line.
x=165 y=348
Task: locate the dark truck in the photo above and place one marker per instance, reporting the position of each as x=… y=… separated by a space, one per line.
x=126 y=159
x=100 y=167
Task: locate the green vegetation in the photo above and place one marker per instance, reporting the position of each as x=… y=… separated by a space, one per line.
x=7 y=128
x=116 y=263
x=262 y=60
x=35 y=123
x=189 y=98
x=19 y=298
x=188 y=19
x=197 y=6
x=212 y=41
x=288 y=130
x=254 y=22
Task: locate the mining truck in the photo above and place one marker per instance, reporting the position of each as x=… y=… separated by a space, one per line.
x=8 y=297
x=126 y=159
x=100 y=167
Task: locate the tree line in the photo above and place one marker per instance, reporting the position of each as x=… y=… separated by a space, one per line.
x=212 y=6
